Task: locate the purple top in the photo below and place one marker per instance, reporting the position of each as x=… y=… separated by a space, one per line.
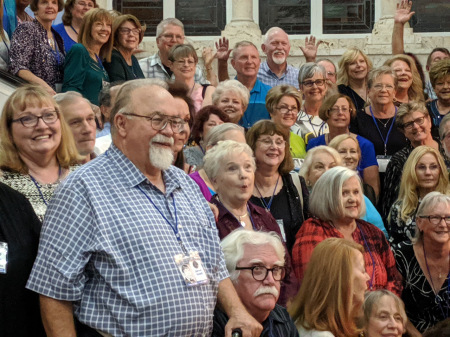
x=201 y=183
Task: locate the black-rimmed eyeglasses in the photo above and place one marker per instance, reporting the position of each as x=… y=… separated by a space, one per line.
x=260 y=273
x=436 y=219
x=30 y=121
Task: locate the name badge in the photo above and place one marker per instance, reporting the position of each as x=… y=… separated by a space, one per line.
x=383 y=162
x=3 y=257
x=281 y=225
x=191 y=269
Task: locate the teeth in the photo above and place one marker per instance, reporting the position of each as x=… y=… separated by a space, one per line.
x=42 y=137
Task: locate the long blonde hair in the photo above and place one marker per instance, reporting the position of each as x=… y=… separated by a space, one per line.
x=324 y=301
x=409 y=183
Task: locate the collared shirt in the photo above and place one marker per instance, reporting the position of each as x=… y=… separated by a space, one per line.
x=256 y=109
x=152 y=67
x=277 y=324
x=308 y=126
x=314 y=231
x=429 y=90
x=268 y=77
x=107 y=248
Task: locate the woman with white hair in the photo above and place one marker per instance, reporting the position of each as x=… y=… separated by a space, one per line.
x=336 y=204
x=424 y=265
x=230 y=167
x=225 y=131
x=231 y=97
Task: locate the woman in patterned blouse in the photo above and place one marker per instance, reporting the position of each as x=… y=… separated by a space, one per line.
x=37 y=149
x=37 y=50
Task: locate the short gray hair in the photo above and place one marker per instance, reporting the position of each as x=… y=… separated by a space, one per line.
x=428 y=202
x=329 y=61
x=242 y=44
x=212 y=162
x=68 y=98
x=377 y=72
x=444 y=121
x=233 y=247
x=308 y=70
x=234 y=86
x=306 y=166
x=169 y=21
x=325 y=201
x=123 y=98
x=217 y=133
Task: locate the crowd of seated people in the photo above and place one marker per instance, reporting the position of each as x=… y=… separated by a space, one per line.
x=329 y=185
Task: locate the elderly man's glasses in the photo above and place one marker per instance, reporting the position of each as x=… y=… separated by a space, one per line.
x=159 y=122
x=309 y=84
x=436 y=219
x=127 y=31
x=31 y=121
x=260 y=273
x=409 y=125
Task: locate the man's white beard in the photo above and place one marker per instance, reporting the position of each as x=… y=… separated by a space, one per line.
x=278 y=60
x=161 y=157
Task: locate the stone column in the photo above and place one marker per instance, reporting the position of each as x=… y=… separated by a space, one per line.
x=242 y=26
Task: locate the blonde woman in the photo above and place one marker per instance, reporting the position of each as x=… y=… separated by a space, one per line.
x=354 y=66
x=424 y=172
x=331 y=296
x=410 y=87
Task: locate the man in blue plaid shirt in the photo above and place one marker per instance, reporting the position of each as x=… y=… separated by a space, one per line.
x=122 y=231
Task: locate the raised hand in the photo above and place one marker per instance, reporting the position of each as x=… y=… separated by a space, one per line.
x=403 y=13
x=223 y=51
x=310 y=49
x=208 y=56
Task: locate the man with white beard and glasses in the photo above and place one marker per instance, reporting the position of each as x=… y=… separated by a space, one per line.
x=275 y=70
x=123 y=231
x=256 y=264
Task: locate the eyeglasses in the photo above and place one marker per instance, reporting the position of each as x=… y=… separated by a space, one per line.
x=309 y=84
x=379 y=87
x=409 y=125
x=31 y=121
x=126 y=31
x=184 y=61
x=85 y=4
x=284 y=110
x=337 y=109
x=260 y=273
x=159 y=122
x=436 y=219
x=267 y=142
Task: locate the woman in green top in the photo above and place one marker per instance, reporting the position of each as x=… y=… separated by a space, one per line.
x=283 y=103
x=83 y=70
x=127 y=33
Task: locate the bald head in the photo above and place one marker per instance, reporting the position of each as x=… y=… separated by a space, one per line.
x=276 y=46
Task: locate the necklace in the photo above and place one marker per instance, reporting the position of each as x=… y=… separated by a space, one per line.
x=384 y=124
x=267 y=205
x=238 y=217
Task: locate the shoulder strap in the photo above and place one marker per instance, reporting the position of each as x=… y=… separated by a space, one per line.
x=205 y=86
x=296 y=180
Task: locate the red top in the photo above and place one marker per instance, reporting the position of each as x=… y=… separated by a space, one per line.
x=313 y=231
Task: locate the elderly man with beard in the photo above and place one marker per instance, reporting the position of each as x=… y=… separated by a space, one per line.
x=256 y=263
x=275 y=70
x=122 y=231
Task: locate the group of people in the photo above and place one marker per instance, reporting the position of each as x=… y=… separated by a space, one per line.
x=152 y=197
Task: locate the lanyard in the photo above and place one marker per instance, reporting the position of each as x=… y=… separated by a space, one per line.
x=174 y=228
x=39 y=188
x=267 y=205
x=371 y=256
x=321 y=126
x=385 y=140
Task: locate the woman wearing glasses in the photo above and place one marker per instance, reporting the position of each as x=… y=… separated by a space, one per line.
x=128 y=33
x=311 y=80
x=415 y=123
x=283 y=103
x=183 y=61
x=37 y=150
x=230 y=167
x=337 y=111
x=423 y=172
x=283 y=195
x=74 y=11
x=424 y=265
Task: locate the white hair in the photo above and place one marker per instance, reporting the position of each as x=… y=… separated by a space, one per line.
x=233 y=247
x=217 y=133
x=232 y=86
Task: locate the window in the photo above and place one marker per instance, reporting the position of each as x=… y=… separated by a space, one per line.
x=201 y=17
x=294 y=16
x=348 y=16
x=149 y=12
x=431 y=16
